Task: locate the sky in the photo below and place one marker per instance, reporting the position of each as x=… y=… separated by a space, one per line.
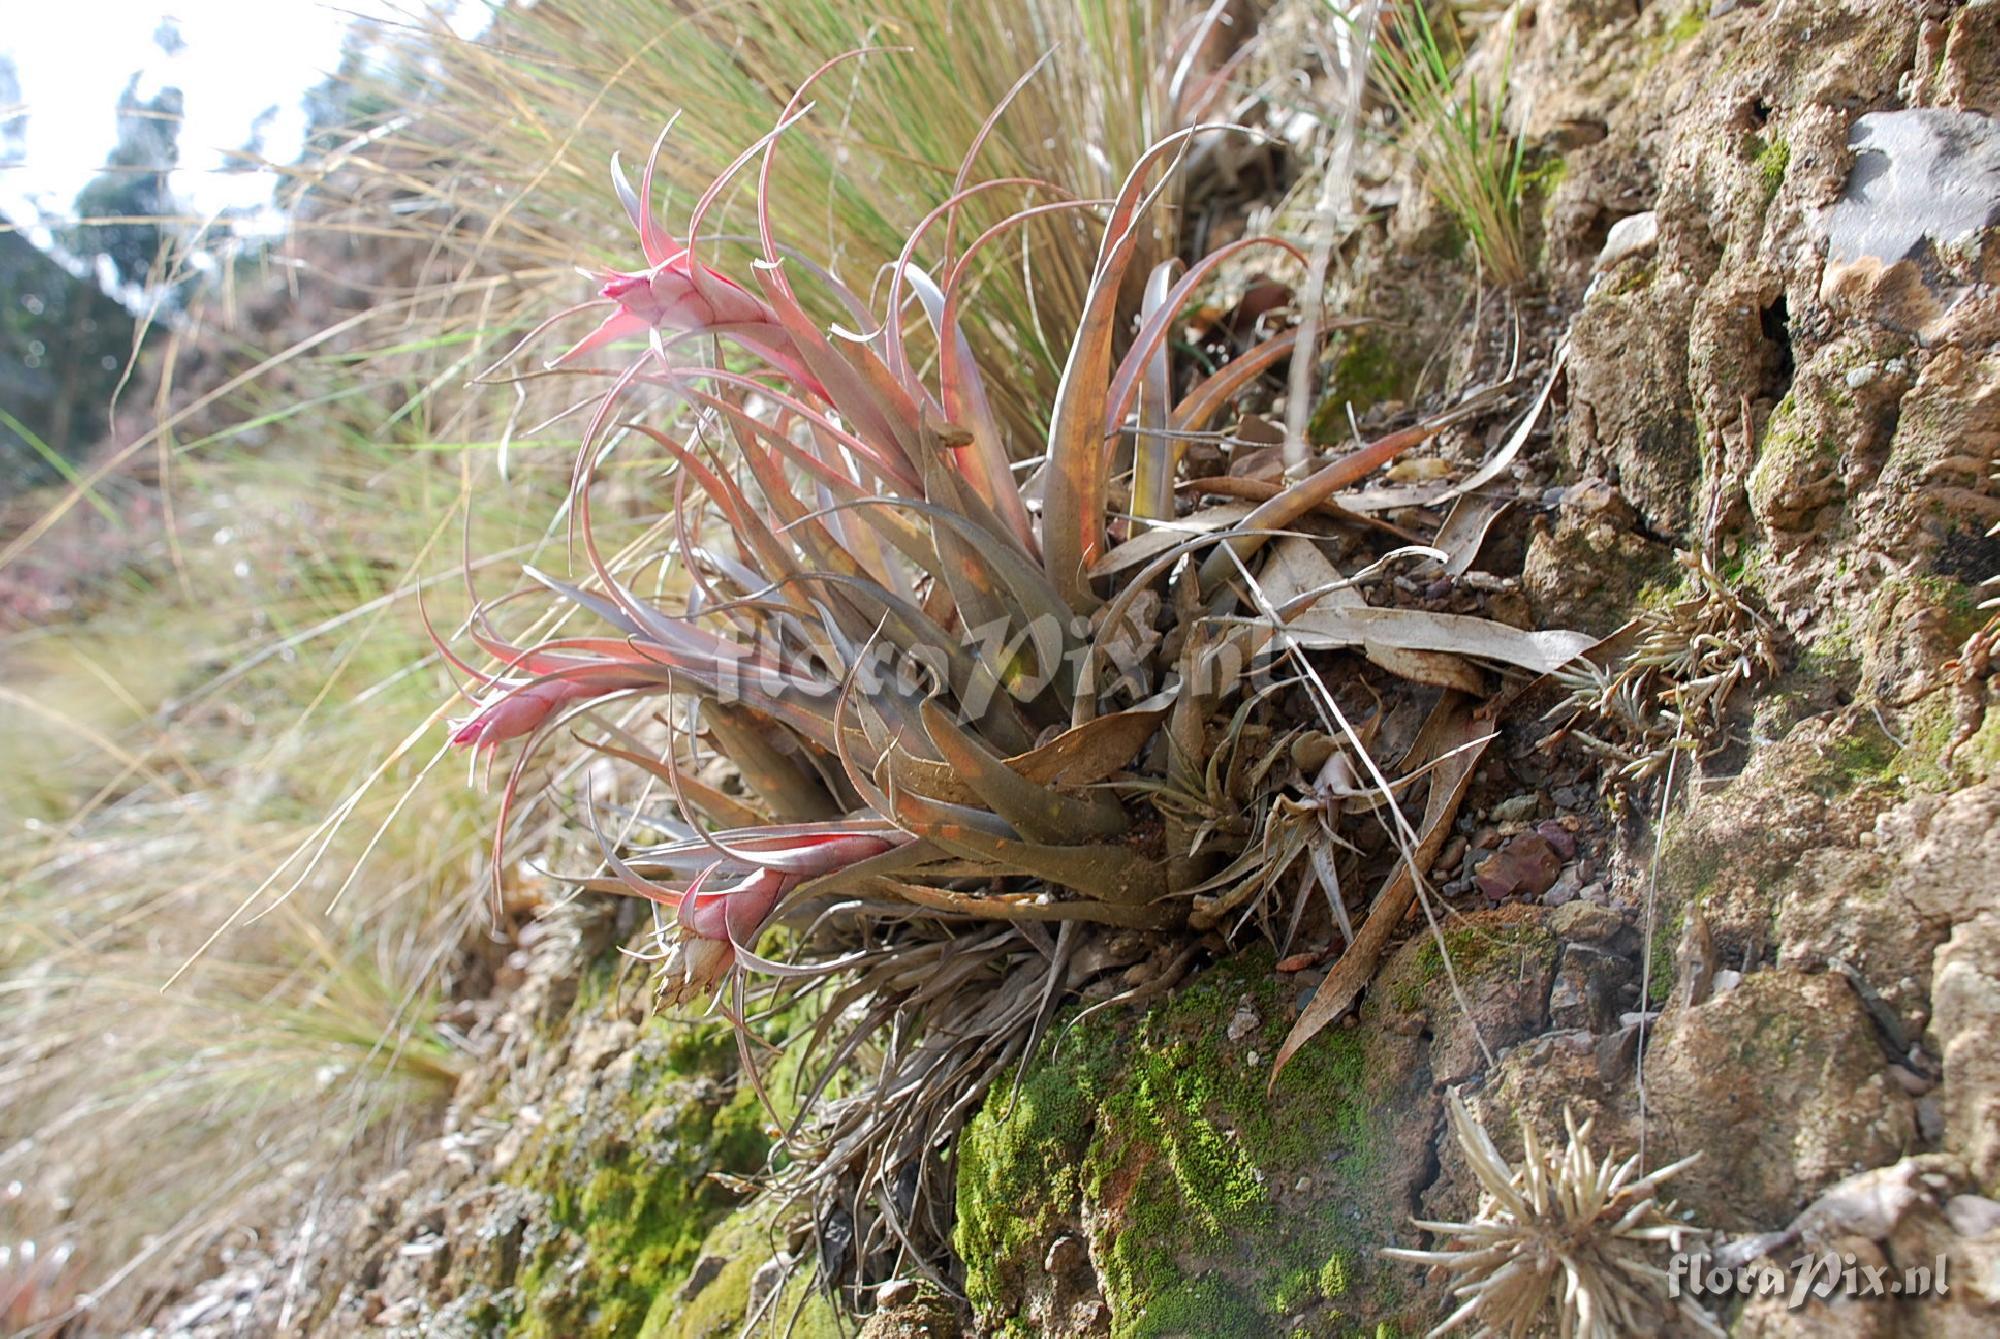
x=237 y=60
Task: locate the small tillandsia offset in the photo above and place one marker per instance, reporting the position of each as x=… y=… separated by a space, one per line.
x=1566 y=1238
x=984 y=738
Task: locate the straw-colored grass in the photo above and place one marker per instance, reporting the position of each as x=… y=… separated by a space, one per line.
x=502 y=166
x=215 y=695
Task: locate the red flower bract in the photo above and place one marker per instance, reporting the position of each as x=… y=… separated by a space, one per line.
x=716 y=924
x=520 y=711
x=680 y=294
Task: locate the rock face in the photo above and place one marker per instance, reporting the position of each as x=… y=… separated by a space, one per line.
x=1779 y=234
x=1151 y=1179
x=1924 y=178
x=1143 y=1182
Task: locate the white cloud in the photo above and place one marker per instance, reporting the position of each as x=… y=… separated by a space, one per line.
x=240 y=58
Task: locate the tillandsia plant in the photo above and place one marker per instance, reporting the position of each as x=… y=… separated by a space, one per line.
x=1671 y=690
x=986 y=723
x=1567 y=1237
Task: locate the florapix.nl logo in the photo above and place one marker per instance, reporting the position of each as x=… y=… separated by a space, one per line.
x=1820 y=1274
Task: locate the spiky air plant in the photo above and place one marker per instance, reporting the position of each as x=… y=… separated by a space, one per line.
x=922 y=705
x=1564 y=1240
x=1672 y=689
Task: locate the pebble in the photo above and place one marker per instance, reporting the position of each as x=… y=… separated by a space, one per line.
x=704 y=1273
x=1559 y=838
x=768 y=1277
x=1911 y=1082
x=1972 y=1215
x=1563 y=891
x=1584 y=991
x=1526 y=865
x=1634 y=235
x=1243 y=1022
x=1586 y=922
x=1091 y=1317
x=1518 y=809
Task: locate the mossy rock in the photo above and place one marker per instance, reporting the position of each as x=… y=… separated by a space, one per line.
x=1797 y=469
x=1587 y=572
x=746 y=1242
x=1149 y=1177
x=1781 y=1084
x=1368 y=369
x=627 y=1195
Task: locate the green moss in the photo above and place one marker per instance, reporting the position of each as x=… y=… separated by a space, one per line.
x=1773 y=159
x=1958 y=601
x=1867 y=755
x=1634 y=279
x=1189 y=1305
x=627 y=1186
x=1540 y=181
x=1771 y=1034
x=1475 y=951
x=1687 y=25
x=1333 y=1275
x=1160 y=1134
x=1367 y=370
x=1019 y=1161
x=1835 y=654
x=1745 y=568
x=1658 y=594
x=744 y=1242
x=1661 y=966
x=1787 y=453
x=1919 y=763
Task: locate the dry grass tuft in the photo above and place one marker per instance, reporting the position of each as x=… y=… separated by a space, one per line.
x=1456 y=127
x=181 y=726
